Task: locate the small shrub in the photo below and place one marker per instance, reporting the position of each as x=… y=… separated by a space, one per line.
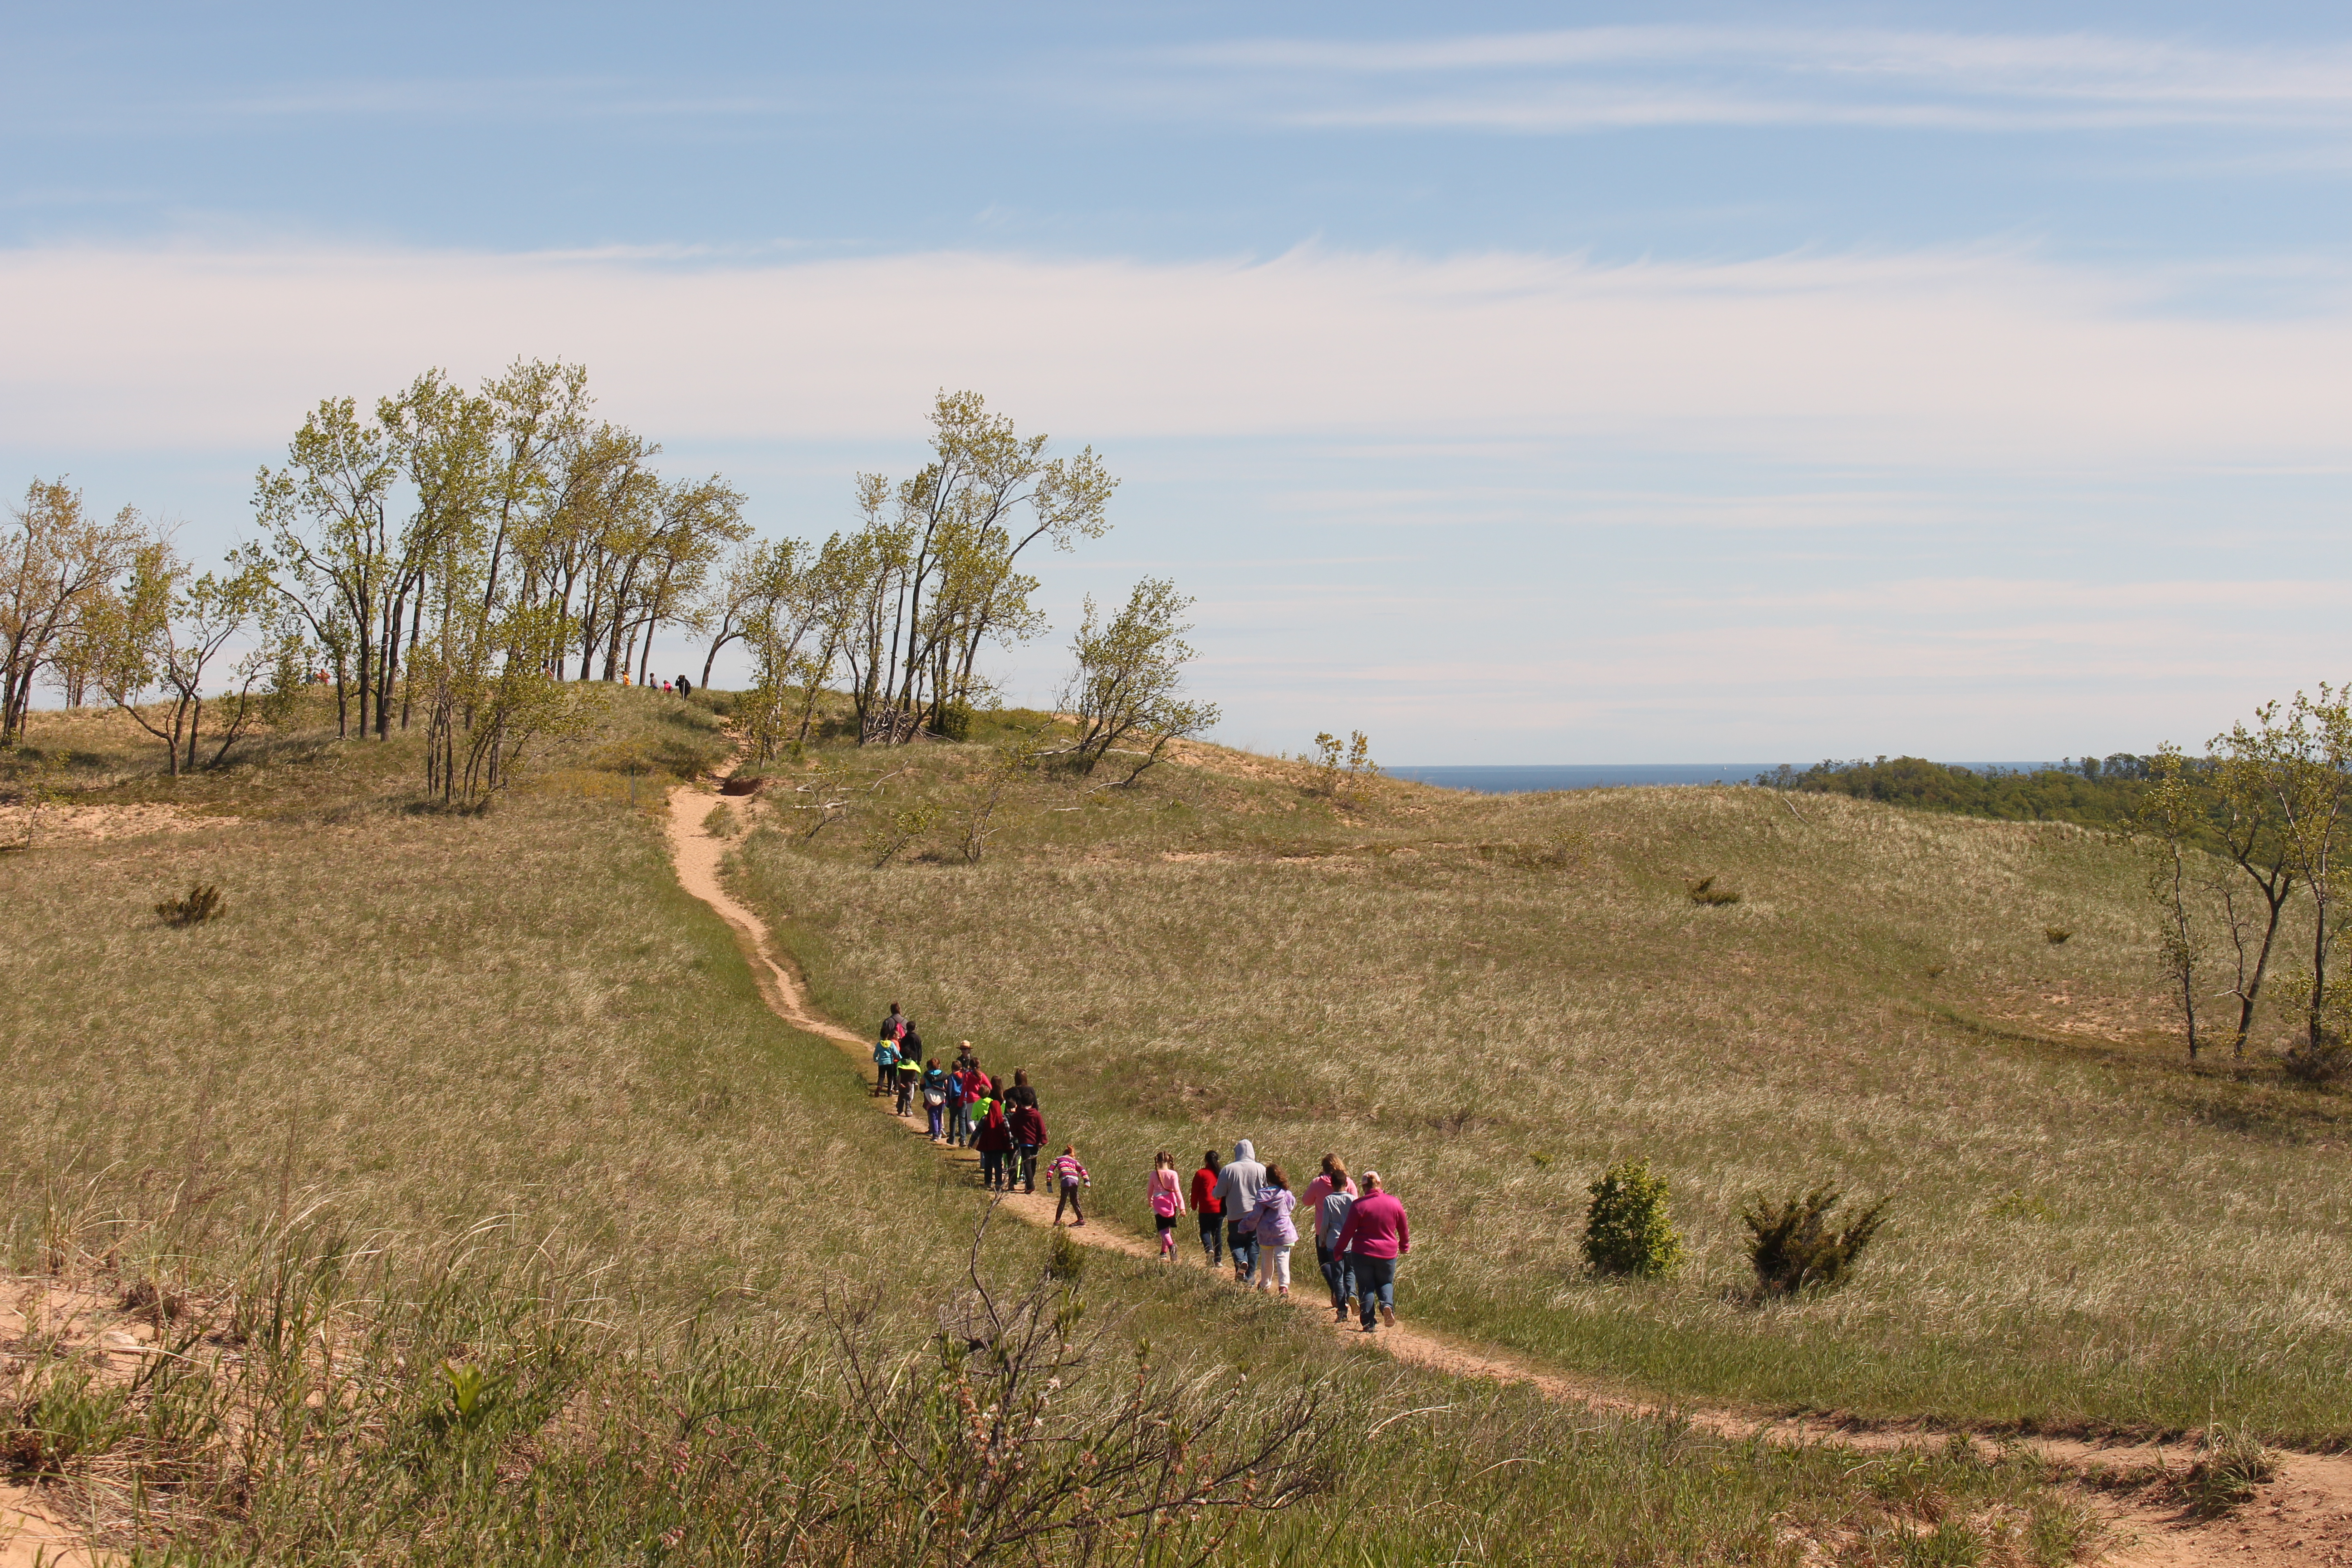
x=955 y=722
x=1704 y=891
x=1627 y=1226
x=2230 y=1464
x=2017 y=1205
x=1066 y=1260
x=2055 y=935
x=2321 y=1062
x=1795 y=1245
x=722 y=822
x=202 y=903
x=1934 y=972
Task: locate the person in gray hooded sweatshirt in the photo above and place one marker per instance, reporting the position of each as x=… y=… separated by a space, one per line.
x=1237 y=1187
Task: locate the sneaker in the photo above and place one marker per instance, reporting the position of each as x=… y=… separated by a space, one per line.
x=1388 y=1315
x=1339 y=1314
x=1368 y=1329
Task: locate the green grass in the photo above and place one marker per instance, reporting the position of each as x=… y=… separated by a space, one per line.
x=489 y=1090
x=1493 y=999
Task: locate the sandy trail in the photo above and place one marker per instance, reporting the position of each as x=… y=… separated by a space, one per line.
x=2302 y=1517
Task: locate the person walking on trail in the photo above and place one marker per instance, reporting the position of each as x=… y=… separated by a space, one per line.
x=886 y=1063
x=895 y=1025
x=1028 y=1126
x=910 y=1072
x=958 y=1128
x=1332 y=1179
x=1165 y=1192
x=1375 y=1238
x=1020 y=1093
x=1277 y=1233
x=1212 y=1212
x=994 y=1141
x=1071 y=1178
x=1237 y=1187
x=935 y=1097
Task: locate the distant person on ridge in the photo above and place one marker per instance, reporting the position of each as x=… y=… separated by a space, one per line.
x=1277 y=1234
x=1028 y=1126
x=1070 y=1177
x=1374 y=1238
x=1237 y=1187
x=1332 y=1181
x=1205 y=1204
x=685 y=687
x=1165 y=1192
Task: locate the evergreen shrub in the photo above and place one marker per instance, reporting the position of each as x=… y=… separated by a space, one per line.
x=1627 y=1226
x=1795 y=1244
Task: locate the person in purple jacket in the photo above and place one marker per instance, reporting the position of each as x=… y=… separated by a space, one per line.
x=1276 y=1232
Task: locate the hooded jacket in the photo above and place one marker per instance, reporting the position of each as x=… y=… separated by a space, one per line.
x=1237 y=1186
x=994 y=1136
x=1028 y=1127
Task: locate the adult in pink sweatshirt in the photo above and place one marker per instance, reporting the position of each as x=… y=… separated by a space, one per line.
x=1373 y=1239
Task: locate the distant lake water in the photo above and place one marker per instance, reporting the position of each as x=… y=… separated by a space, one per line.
x=1529 y=779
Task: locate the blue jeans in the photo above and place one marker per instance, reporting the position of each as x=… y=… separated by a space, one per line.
x=1375 y=1283
x=959 y=1124
x=1213 y=1239
x=1337 y=1274
x=1242 y=1245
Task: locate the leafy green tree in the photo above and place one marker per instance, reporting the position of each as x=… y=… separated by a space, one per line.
x=56 y=562
x=2298 y=758
x=1127 y=685
x=2169 y=818
x=162 y=634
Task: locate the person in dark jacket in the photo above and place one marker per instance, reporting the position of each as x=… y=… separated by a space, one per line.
x=1028 y=1125
x=1020 y=1093
x=994 y=1141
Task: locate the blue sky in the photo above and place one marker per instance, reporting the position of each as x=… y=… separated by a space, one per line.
x=1515 y=383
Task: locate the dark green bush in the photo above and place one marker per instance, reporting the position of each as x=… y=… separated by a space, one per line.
x=1627 y=1226
x=1704 y=891
x=1796 y=1245
x=202 y=903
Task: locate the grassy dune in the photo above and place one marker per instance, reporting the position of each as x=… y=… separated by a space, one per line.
x=491 y=1090
x=1492 y=999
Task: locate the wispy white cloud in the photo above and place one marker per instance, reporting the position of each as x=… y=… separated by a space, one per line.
x=1932 y=357
x=1599 y=77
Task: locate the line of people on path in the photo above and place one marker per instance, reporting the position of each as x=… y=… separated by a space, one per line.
x=1248 y=1213
x=1247 y=1210
x=963 y=1107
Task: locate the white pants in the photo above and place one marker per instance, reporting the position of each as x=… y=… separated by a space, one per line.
x=1273 y=1266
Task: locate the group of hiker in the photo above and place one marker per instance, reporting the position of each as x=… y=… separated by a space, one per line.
x=1248 y=1212
x=965 y=1107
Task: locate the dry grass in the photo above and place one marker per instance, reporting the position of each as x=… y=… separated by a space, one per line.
x=490 y=1089
x=1492 y=1000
